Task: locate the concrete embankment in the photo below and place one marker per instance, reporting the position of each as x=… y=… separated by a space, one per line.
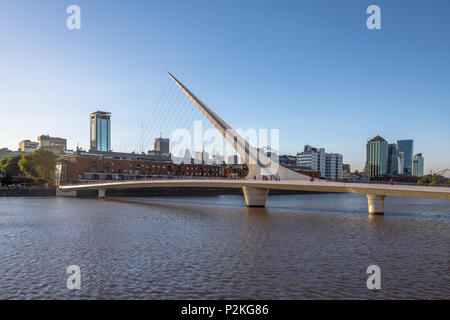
x=143 y=192
x=146 y=192
x=27 y=192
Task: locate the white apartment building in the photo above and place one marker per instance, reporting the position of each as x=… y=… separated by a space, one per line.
x=316 y=159
x=333 y=166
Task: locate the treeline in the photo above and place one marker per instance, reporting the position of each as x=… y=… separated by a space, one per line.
x=433 y=181
x=38 y=165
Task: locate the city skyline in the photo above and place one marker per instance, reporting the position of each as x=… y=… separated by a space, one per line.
x=319 y=108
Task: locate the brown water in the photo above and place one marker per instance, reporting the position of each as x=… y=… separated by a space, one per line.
x=300 y=247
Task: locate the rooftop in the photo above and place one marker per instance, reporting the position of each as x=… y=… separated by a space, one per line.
x=101 y=112
x=377 y=138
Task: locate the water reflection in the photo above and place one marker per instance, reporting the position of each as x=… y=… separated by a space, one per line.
x=255 y=214
x=213 y=247
x=375 y=221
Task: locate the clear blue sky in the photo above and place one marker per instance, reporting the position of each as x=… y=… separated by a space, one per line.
x=310 y=68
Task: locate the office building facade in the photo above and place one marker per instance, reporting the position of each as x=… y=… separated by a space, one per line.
x=393 y=159
x=417 y=169
x=330 y=165
x=28 y=146
x=287 y=160
x=407 y=147
x=376 y=157
x=100 y=131
x=312 y=159
x=401 y=162
x=57 y=145
x=162 y=145
x=346 y=172
x=333 y=166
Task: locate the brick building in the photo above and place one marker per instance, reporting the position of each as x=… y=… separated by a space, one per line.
x=86 y=167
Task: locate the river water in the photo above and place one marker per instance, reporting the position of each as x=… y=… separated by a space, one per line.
x=315 y=246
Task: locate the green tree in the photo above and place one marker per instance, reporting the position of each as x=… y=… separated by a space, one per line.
x=10 y=166
x=422 y=181
x=40 y=164
x=434 y=183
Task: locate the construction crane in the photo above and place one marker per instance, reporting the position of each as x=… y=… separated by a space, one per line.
x=439 y=173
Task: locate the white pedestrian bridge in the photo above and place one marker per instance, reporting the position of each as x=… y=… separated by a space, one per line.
x=256 y=191
x=254 y=187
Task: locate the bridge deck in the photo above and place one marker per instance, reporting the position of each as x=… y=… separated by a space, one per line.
x=318 y=185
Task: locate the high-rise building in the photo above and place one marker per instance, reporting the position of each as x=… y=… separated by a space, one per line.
x=100 y=131
x=401 y=162
x=417 y=169
x=407 y=147
x=333 y=166
x=57 y=145
x=393 y=159
x=315 y=159
x=162 y=145
x=376 y=156
x=28 y=146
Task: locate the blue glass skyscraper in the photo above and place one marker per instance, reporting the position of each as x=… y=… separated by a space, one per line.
x=407 y=147
x=100 y=131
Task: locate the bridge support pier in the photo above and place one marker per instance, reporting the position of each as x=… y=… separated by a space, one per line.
x=101 y=193
x=376 y=204
x=255 y=197
x=60 y=193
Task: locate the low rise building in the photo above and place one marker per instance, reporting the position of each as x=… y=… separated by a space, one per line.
x=233 y=159
x=28 y=146
x=5 y=153
x=104 y=166
x=57 y=145
x=287 y=160
x=346 y=172
x=235 y=171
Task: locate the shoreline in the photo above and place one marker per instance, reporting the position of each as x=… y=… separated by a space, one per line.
x=28 y=192
x=51 y=192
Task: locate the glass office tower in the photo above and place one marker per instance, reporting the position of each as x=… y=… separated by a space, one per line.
x=418 y=165
x=100 y=131
x=377 y=156
x=406 y=146
x=393 y=159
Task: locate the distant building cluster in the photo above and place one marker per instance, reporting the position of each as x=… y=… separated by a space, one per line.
x=46 y=142
x=392 y=159
x=383 y=160
x=315 y=162
x=100 y=163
